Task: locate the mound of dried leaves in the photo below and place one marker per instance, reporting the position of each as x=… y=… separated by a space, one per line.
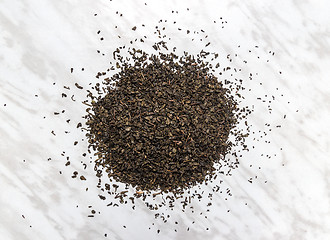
x=160 y=122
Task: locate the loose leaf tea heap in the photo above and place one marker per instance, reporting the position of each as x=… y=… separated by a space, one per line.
x=161 y=122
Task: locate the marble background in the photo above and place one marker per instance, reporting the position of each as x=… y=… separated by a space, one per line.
x=41 y=40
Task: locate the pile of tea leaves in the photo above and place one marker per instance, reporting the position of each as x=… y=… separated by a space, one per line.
x=161 y=122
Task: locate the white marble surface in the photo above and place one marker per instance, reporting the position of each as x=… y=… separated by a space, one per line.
x=41 y=40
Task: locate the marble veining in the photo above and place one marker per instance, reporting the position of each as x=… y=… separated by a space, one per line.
x=41 y=40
